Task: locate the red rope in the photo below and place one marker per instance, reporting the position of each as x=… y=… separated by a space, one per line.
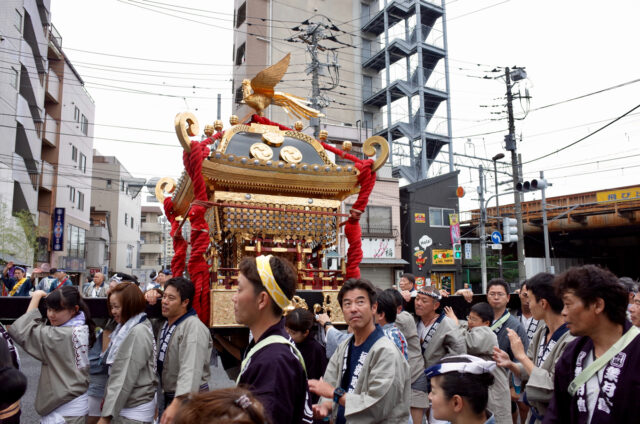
x=198 y=267
x=179 y=243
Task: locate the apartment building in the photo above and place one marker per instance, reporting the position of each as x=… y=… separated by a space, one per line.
x=393 y=81
x=116 y=191
x=45 y=115
x=152 y=252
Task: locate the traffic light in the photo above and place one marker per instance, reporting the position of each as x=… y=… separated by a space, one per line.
x=510 y=230
x=525 y=186
x=457 y=251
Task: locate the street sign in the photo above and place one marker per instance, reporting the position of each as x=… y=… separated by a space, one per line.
x=496 y=237
x=467 y=251
x=496 y=246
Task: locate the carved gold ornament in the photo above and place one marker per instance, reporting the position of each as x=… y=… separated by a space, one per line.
x=186 y=124
x=273 y=138
x=261 y=151
x=290 y=154
x=369 y=150
x=165 y=185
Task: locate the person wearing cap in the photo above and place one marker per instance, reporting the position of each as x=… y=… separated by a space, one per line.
x=272 y=368
x=596 y=378
x=184 y=348
x=460 y=389
x=62 y=279
x=96 y=288
x=438 y=333
x=19 y=284
x=367 y=379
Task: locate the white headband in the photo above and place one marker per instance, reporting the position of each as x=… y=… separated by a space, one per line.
x=467 y=364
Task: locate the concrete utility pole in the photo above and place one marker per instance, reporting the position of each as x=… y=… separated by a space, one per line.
x=495 y=177
x=483 y=240
x=312 y=34
x=511 y=145
x=547 y=257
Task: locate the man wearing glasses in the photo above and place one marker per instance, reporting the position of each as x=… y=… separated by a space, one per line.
x=498 y=298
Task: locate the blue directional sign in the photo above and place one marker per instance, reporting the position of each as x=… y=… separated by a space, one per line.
x=496 y=237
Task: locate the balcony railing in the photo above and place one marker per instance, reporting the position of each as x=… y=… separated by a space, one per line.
x=52 y=128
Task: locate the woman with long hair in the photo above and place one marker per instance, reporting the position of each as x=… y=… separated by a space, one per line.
x=63 y=348
x=130 y=396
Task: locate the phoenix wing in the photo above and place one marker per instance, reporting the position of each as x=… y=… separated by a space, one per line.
x=267 y=79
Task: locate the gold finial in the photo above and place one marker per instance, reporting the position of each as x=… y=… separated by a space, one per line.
x=298 y=126
x=218 y=125
x=323 y=135
x=233 y=119
x=208 y=130
x=346 y=146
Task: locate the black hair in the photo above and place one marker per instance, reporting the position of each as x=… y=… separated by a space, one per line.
x=184 y=287
x=283 y=271
x=387 y=304
x=359 y=283
x=541 y=286
x=498 y=282
x=590 y=282
x=483 y=310
x=397 y=297
x=410 y=277
x=299 y=319
x=474 y=388
x=68 y=297
x=14 y=382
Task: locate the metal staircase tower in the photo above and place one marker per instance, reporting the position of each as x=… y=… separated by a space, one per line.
x=402 y=106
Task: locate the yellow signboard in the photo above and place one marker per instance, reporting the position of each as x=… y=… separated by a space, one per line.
x=631 y=193
x=442 y=257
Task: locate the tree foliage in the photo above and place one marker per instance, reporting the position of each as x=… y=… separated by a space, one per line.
x=18 y=235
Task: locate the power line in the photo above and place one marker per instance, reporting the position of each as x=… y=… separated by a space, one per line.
x=583 y=138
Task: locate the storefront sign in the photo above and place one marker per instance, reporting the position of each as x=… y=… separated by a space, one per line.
x=442 y=257
x=420 y=218
x=631 y=193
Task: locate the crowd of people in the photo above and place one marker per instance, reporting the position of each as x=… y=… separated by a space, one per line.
x=569 y=354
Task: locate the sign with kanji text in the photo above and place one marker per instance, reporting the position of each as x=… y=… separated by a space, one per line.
x=467 y=251
x=630 y=193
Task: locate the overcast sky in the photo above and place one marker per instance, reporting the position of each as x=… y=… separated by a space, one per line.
x=570 y=48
